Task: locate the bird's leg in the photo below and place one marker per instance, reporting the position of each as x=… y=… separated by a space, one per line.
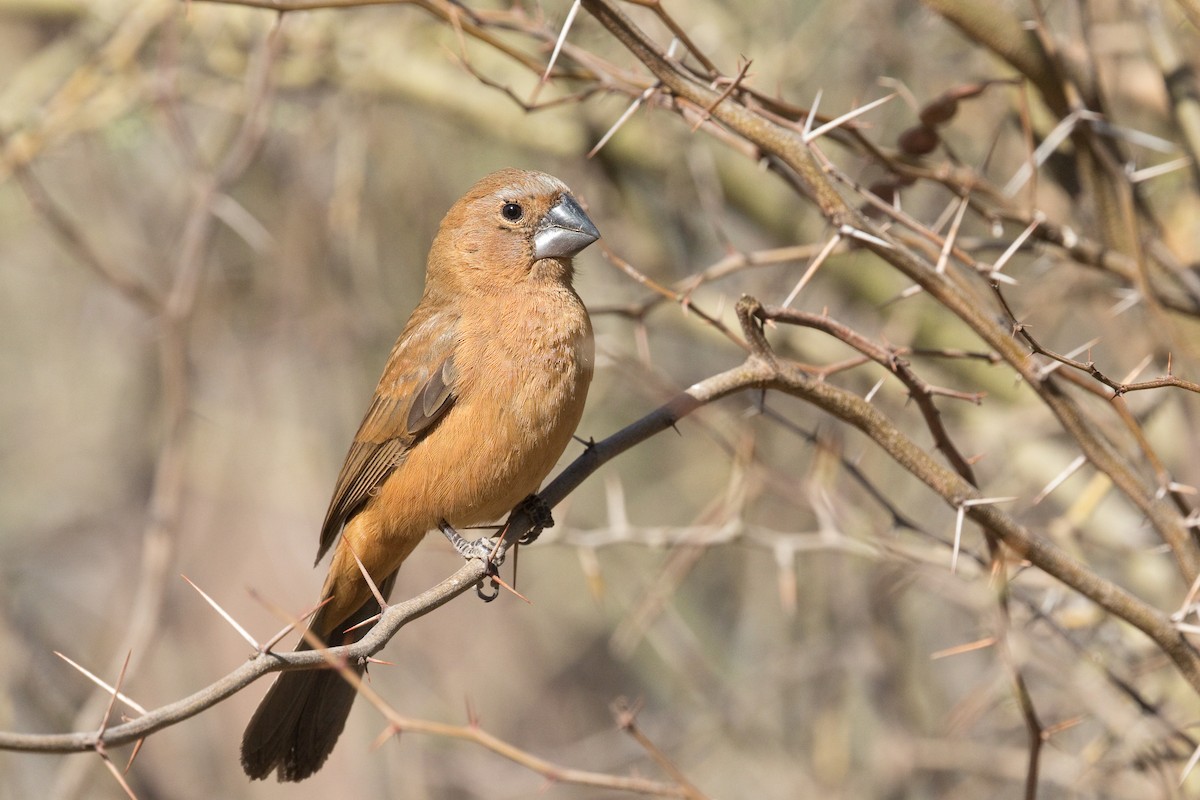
x=539 y=515
x=484 y=549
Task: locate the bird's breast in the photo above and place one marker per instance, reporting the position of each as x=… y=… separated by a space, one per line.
x=523 y=371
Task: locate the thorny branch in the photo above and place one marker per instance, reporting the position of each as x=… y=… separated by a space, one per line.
x=763 y=369
x=770 y=130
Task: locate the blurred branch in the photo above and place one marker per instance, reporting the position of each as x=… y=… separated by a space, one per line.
x=104 y=68
x=171 y=314
x=1179 y=77
x=1191 y=8
x=1005 y=35
x=130 y=286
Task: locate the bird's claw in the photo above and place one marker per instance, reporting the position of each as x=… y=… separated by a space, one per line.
x=482 y=593
x=539 y=516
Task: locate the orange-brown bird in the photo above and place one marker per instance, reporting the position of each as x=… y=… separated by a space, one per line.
x=479 y=398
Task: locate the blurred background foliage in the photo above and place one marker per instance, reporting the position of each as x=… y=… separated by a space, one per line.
x=777 y=629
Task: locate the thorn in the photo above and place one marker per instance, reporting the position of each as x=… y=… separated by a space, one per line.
x=392 y=729
x=1071 y=469
x=616 y=126
x=863 y=236
x=952 y=235
x=1133 y=373
x=988 y=501
x=730 y=89
x=1187 y=768
x=1013 y=247
x=1145 y=174
x=112 y=768
x=367 y=577
x=365 y=623
x=245 y=634
x=137 y=748
x=1059 y=727
x=969 y=647
x=472 y=717
x=96 y=680
x=562 y=38
x=958 y=525
x=817 y=261
x=380 y=661
x=1043 y=151
x=501 y=581
x=114 y=692
x=1085 y=347
x=812 y=114
x=279 y=612
x=810 y=135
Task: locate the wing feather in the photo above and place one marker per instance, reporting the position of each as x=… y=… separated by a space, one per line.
x=435 y=399
x=416 y=390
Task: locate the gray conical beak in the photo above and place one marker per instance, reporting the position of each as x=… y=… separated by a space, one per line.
x=564 y=231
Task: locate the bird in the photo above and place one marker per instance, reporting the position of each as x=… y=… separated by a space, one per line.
x=480 y=396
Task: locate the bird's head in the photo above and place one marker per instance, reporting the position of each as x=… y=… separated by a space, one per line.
x=512 y=227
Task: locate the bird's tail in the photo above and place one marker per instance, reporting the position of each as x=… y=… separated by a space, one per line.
x=297 y=724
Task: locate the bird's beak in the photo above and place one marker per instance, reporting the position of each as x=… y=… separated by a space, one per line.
x=564 y=231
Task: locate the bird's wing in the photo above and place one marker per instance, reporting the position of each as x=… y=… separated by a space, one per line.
x=415 y=392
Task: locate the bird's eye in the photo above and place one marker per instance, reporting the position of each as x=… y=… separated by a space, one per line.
x=512 y=212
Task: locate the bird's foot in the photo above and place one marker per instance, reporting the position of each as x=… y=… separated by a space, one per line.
x=483 y=548
x=539 y=515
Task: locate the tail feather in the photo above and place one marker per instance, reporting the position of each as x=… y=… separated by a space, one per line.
x=301 y=717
